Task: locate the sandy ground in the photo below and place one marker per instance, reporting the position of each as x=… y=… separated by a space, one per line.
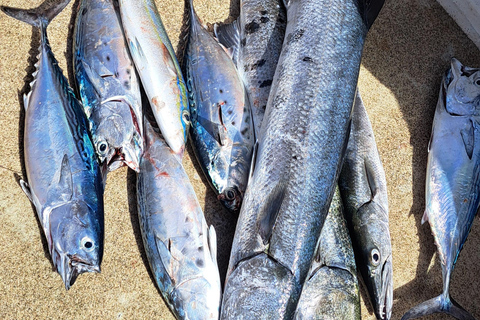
x=407 y=50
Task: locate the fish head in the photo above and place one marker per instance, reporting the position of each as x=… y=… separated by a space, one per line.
x=76 y=240
x=375 y=260
x=116 y=135
x=462 y=86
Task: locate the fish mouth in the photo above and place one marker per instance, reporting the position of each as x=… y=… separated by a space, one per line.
x=385 y=299
x=70 y=267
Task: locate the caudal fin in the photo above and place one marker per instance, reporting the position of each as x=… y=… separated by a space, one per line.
x=38 y=17
x=439 y=304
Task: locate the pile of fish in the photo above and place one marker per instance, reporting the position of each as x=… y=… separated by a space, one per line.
x=270 y=103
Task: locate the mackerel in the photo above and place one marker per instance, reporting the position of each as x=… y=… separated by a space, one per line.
x=108 y=84
x=306 y=126
x=364 y=192
x=158 y=69
x=65 y=182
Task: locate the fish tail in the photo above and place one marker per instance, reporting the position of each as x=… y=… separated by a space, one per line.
x=442 y=303
x=38 y=17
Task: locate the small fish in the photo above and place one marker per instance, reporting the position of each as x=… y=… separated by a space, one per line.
x=331 y=290
x=364 y=191
x=180 y=248
x=453 y=178
x=306 y=127
x=158 y=69
x=64 y=178
x=108 y=84
x=222 y=129
x=255 y=40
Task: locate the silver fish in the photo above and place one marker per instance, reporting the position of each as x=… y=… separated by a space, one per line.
x=255 y=40
x=108 y=84
x=330 y=290
x=180 y=248
x=222 y=131
x=64 y=178
x=453 y=178
x=158 y=69
x=364 y=191
x=305 y=127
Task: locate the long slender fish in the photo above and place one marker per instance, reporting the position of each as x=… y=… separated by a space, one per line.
x=64 y=178
x=180 y=248
x=255 y=40
x=331 y=290
x=158 y=68
x=108 y=84
x=306 y=127
x=453 y=178
x=364 y=191
x=222 y=130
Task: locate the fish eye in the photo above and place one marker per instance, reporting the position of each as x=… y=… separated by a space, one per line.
x=230 y=194
x=102 y=147
x=375 y=257
x=186 y=117
x=87 y=244
x=477 y=82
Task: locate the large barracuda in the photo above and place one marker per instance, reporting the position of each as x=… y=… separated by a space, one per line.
x=331 y=290
x=364 y=191
x=453 y=178
x=305 y=128
x=180 y=248
x=108 y=84
x=64 y=178
x=222 y=128
x=255 y=40
x=158 y=69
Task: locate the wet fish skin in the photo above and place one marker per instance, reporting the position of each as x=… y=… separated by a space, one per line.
x=364 y=191
x=108 y=84
x=331 y=290
x=222 y=131
x=180 y=248
x=65 y=183
x=158 y=69
x=256 y=39
x=452 y=181
x=305 y=127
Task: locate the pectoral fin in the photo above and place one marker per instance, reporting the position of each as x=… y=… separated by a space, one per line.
x=468 y=139
x=228 y=35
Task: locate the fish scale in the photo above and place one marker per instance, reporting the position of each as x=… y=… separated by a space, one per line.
x=305 y=128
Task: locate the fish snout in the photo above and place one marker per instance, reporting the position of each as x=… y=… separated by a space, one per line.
x=385 y=299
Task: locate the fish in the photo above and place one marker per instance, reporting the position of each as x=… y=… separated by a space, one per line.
x=107 y=84
x=65 y=182
x=180 y=247
x=255 y=40
x=222 y=129
x=363 y=187
x=158 y=68
x=452 y=185
x=305 y=127
x=331 y=290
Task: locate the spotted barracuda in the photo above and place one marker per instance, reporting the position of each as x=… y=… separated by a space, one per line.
x=108 y=84
x=158 y=69
x=255 y=41
x=65 y=183
x=306 y=127
x=180 y=248
x=222 y=129
x=331 y=290
x=453 y=178
x=364 y=191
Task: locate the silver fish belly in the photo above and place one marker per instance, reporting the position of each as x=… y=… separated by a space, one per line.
x=158 y=69
x=64 y=178
x=453 y=178
x=331 y=290
x=364 y=191
x=108 y=84
x=255 y=40
x=180 y=248
x=305 y=127
x=222 y=131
